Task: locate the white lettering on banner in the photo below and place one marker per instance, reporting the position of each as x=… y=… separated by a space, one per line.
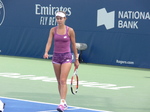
x=49 y=10
x=43 y=20
x=52 y=21
x=124 y=62
x=47 y=79
x=127 y=19
x=47 y=13
x=133 y=15
x=127 y=24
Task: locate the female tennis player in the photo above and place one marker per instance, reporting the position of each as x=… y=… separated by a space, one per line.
x=62 y=58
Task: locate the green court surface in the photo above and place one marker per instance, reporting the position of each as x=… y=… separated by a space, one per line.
x=102 y=87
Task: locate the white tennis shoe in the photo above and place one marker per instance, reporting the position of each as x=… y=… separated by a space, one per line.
x=2 y=105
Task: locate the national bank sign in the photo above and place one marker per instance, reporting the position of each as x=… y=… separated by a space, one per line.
x=125 y=19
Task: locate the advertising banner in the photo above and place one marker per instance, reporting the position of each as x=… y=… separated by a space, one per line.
x=116 y=32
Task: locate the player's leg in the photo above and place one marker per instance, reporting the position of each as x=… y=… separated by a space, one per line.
x=65 y=68
x=62 y=72
x=57 y=70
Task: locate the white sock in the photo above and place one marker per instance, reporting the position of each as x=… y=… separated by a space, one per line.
x=63 y=101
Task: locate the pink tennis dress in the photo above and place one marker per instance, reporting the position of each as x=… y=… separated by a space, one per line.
x=62 y=53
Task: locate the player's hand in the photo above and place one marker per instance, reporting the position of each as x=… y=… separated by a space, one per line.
x=76 y=63
x=45 y=56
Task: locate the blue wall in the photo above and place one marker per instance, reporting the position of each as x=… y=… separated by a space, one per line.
x=117 y=32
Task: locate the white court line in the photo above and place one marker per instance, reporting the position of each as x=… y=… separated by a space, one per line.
x=53 y=104
x=57 y=111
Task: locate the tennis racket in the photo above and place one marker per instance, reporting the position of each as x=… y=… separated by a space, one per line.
x=74 y=82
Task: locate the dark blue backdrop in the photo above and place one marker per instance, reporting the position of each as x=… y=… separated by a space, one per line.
x=24 y=29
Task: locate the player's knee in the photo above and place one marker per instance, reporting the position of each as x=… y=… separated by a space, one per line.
x=62 y=82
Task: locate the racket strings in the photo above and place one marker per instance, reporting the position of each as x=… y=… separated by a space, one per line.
x=74 y=83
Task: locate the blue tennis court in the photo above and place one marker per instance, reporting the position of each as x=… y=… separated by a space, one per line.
x=18 y=105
